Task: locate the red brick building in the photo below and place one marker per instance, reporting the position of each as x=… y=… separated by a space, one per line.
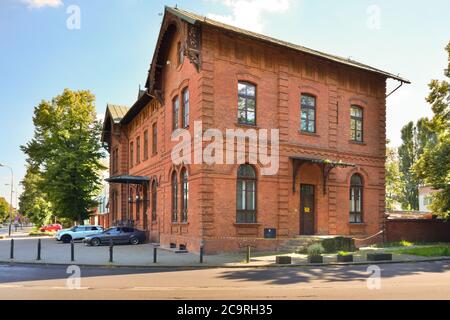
x=331 y=116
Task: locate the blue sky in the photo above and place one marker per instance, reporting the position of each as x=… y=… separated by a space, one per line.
x=111 y=52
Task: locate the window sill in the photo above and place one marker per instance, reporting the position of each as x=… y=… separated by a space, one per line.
x=247 y=224
x=180 y=223
x=357 y=224
x=310 y=134
x=361 y=143
x=244 y=125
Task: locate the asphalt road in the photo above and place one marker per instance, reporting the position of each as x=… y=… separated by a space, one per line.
x=398 y=281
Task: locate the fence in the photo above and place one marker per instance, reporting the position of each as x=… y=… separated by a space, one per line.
x=418 y=230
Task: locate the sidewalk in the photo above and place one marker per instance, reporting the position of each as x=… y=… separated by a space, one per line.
x=53 y=252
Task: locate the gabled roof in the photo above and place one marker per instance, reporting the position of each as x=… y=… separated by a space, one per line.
x=114 y=113
x=193 y=18
x=117 y=112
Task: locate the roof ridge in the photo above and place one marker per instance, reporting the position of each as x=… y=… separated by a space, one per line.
x=192 y=17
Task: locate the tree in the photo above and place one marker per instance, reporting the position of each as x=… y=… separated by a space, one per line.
x=4 y=209
x=434 y=164
x=33 y=202
x=394 y=181
x=67 y=151
x=415 y=139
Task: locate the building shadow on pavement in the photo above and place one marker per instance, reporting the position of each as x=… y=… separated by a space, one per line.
x=283 y=276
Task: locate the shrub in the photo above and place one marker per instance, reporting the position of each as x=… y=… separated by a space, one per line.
x=339 y=244
x=40 y=234
x=343 y=253
x=315 y=250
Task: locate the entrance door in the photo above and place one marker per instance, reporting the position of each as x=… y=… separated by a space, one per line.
x=307 y=209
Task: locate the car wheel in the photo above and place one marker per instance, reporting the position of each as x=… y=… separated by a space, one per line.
x=95 y=242
x=134 y=241
x=66 y=239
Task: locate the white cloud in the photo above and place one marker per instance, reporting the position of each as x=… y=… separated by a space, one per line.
x=247 y=14
x=43 y=3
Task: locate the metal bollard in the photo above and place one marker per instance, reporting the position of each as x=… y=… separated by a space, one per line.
x=72 y=251
x=201 y=254
x=39 y=250
x=111 y=253
x=248 y=254
x=11 y=253
x=155 y=254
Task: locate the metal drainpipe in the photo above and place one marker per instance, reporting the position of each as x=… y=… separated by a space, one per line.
x=401 y=84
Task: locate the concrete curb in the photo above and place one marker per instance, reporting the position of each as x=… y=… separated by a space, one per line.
x=246 y=266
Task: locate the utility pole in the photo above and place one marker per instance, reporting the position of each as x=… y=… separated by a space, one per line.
x=10 y=204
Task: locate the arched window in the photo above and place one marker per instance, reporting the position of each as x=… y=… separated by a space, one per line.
x=246 y=195
x=356 y=194
x=175 y=113
x=174 y=197
x=154 y=197
x=185 y=195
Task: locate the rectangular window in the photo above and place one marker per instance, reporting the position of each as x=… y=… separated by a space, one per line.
x=145 y=144
x=246 y=103
x=154 y=139
x=175 y=111
x=356 y=123
x=246 y=204
x=185 y=122
x=138 y=150
x=308 y=113
x=131 y=154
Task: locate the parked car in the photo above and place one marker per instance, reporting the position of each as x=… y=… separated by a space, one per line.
x=51 y=228
x=118 y=235
x=77 y=233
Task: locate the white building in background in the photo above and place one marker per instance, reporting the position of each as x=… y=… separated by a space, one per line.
x=425 y=198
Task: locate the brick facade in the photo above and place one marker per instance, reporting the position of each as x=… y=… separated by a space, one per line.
x=281 y=75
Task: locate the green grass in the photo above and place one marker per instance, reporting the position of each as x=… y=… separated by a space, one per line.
x=435 y=251
x=402 y=243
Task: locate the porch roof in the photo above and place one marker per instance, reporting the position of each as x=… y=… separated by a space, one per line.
x=127 y=179
x=324 y=161
x=325 y=164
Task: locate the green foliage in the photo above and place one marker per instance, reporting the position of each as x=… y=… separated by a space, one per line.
x=338 y=244
x=66 y=150
x=416 y=138
x=41 y=234
x=344 y=253
x=434 y=164
x=394 y=181
x=435 y=251
x=315 y=249
x=33 y=202
x=4 y=209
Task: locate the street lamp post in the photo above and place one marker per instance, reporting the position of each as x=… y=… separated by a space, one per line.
x=10 y=204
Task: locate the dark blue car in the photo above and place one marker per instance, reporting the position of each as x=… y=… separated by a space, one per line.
x=116 y=235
